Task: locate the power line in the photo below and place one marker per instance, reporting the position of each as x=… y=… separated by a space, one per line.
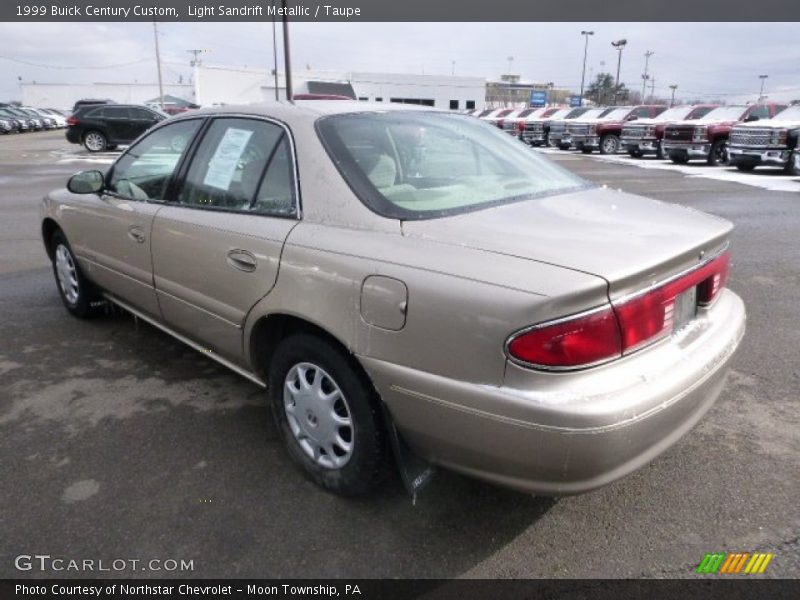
x=69 y=67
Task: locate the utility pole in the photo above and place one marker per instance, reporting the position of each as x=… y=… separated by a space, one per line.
x=620 y=46
x=510 y=64
x=586 y=35
x=647 y=56
x=195 y=52
x=275 y=54
x=673 y=87
x=286 y=58
x=452 y=67
x=652 y=88
x=761 y=92
x=158 y=64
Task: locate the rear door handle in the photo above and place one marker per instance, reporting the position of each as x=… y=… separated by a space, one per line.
x=136 y=233
x=242 y=260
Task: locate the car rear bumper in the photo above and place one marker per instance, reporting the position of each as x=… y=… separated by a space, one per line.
x=567 y=433
x=759 y=156
x=688 y=149
x=73 y=135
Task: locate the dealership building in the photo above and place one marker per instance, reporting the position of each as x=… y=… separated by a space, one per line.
x=212 y=85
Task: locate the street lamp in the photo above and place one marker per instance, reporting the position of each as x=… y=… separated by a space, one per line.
x=645 y=77
x=586 y=35
x=673 y=87
x=761 y=92
x=619 y=45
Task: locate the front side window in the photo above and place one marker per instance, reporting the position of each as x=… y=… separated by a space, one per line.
x=417 y=165
x=243 y=165
x=144 y=171
x=762 y=112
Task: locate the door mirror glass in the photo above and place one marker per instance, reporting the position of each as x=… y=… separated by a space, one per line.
x=751 y=118
x=86 y=182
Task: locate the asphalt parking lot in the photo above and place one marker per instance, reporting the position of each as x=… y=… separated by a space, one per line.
x=119 y=442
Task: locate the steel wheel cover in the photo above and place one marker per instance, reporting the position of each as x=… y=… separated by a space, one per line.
x=318 y=415
x=67 y=274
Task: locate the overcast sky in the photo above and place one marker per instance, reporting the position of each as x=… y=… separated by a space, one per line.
x=706 y=60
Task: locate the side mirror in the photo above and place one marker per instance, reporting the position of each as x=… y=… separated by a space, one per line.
x=751 y=118
x=632 y=118
x=86 y=182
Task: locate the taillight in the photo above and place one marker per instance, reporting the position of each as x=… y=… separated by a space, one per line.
x=578 y=341
x=521 y=125
x=608 y=332
x=72 y=121
x=649 y=315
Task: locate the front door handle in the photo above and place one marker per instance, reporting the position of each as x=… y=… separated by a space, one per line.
x=136 y=233
x=242 y=260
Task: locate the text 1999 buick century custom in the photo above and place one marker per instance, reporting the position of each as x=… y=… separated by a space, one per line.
x=407 y=270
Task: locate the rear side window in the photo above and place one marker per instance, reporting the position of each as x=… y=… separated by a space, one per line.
x=116 y=112
x=243 y=165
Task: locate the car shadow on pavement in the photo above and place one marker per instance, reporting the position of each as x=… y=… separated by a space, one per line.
x=123 y=442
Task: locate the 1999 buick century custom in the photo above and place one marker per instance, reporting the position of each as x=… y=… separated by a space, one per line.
x=397 y=273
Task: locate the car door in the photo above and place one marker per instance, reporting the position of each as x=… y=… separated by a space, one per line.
x=118 y=124
x=142 y=119
x=217 y=246
x=112 y=230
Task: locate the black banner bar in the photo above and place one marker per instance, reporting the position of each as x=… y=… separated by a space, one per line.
x=584 y=11
x=712 y=588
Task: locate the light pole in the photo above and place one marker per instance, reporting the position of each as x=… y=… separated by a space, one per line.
x=673 y=87
x=647 y=56
x=452 y=67
x=158 y=65
x=761 y=92
x=510 y=60
x=286 y=58
x=620 y=46
x=586 y=35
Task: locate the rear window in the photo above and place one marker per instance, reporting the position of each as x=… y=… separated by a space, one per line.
x=413 y=165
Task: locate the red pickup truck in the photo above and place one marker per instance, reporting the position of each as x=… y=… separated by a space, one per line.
x=707 y=138
x=603 y=133
x=643 y=136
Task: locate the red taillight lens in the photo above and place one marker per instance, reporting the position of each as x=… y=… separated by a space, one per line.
x=573 y=342
x=521 y=125
x=609 y=332
x=71 y=121
x=649 y=316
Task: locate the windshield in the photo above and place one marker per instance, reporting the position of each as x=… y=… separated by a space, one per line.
x=788 y=114
x=419 y=165
x=617 y=114
x=725 y=113
x=677 y=113
x=560 y=114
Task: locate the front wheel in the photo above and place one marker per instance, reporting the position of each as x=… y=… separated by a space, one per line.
x=609 y=144
x=719 y=153
x=635 y=153
x=793 y=166
x=94 y=141
x=679 y=159
x=328 y=414
x=79 y=296
x=746 y=167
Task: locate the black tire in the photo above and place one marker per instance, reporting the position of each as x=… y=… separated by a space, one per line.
x=719 y=153
x=609 y=144
x=95 y=141
x=793 y=166
x=366 y=464
x=746 y=167
x=659 y=152
x=679 y=159
x=586 y=150
x=635 y=153
x=86 y=300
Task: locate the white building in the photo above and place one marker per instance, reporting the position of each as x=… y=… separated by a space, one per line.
x=226 y=85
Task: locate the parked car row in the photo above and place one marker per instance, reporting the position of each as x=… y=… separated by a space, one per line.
x=745 y=136
x=21 y=119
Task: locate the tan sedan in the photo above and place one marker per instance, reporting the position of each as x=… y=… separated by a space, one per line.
x=400 y=278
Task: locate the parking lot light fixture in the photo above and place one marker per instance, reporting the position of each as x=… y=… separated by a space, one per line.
x=673 y=87
x=763 y=78
x=619 y=45
x=586 y=35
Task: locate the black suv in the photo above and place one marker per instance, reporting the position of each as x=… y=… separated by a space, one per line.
x=104 y=127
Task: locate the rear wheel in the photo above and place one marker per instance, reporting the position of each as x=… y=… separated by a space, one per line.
x=747 y=167
x=793 y=166
x=94 y=141
x=719 y=153
x=635 y=153
x=659 y=151
x=78 y=294
x=328 y=414
x=586 y=150
x=609 y=144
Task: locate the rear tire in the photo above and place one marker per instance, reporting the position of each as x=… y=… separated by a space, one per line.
x=746 y=167
x=586 y=150
x=79 y=295
x=328 y=414
x=793 y=166
x=679 y=159
x=95 y=141
x=635 y=153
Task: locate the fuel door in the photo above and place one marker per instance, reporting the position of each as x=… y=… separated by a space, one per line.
x=384 y=302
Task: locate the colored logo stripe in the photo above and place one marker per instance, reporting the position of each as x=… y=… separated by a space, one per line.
x=734 y=563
